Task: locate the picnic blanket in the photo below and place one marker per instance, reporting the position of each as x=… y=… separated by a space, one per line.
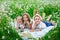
x=37 y=34
x=41 y=33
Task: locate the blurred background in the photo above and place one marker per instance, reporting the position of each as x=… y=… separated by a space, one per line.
x=10 y=9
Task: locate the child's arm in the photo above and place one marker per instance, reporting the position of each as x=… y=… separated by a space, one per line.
x=33 y=27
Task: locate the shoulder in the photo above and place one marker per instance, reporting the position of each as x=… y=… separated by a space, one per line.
x=42 y=23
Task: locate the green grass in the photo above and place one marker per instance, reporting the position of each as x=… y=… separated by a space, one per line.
x=7 y=32
x=53 y=34
x=13 y=8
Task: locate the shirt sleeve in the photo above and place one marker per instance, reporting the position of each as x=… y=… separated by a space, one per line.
x=42 y=25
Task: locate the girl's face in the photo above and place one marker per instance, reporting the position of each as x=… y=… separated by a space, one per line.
x=19 y=19
x=37 y=20
x=25 y=18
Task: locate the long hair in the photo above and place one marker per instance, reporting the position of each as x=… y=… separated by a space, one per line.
x=27 y=16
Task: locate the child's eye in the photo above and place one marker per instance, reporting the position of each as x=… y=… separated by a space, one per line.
x=35 y=19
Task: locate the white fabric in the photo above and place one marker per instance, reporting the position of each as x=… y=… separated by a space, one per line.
x=41 y=33
x=41 y=25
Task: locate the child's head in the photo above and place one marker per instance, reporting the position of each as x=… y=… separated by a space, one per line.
x=19 y=19
x=26 y=17
x=37 y=19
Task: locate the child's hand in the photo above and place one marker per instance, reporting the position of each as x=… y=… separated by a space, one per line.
x=31 y=22
x=28 y=23
x=34 y=25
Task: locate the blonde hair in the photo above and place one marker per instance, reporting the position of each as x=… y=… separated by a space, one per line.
x=19 y=17
x=37 y=15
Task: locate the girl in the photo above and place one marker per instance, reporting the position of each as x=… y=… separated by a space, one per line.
x=18 y=23
x=38 y=25
x=48 y=22
x=26 y=21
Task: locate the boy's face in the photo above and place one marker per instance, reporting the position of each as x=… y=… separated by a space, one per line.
x=37 y=20
x=19 y=19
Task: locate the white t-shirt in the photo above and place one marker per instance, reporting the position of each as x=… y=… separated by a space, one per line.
x=41 y=25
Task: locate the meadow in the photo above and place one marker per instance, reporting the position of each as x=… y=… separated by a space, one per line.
x=10 y=9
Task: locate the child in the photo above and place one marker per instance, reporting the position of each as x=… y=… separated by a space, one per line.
x=48 y=22
x=38 y=24
x=18 y=23
x=26 y=21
